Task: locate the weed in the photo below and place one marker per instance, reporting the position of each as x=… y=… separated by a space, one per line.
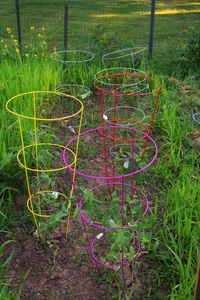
x=188 y=56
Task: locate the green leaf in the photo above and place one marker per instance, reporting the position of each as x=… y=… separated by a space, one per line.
x=131 y=252
x=76 y=212
x=112 y=223
x=145 y=238
x=121 y=238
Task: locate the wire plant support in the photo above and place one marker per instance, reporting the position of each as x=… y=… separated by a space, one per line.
x=77 y=73
x=128 y=57
x=82 y=92
x=43 y=133
x=116 y=88
x=111 y=204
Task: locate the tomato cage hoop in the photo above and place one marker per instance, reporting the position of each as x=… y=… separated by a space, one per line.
x=127 y=75
x=76 y=63
x=79 y=91
x=105 y=74
x=110 y=181
x=40 y=214
x=31 y=109
x=88 y=56
x=116 y=266
x=110 y=121
x=96 y=225
x=129 y=56
x=106 y=178
x=196 y=118
x=36 y=207
x=74 y=89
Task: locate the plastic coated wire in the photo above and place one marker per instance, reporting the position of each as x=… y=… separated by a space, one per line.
x=30 y=201
x=107 y=264
x=24 y=148
x=62 y=88
x=123 y=53
x=97 y=225
x=103 y=91
x=126 y=107
x=44 y=119
x=110 y=177
x=65 y=52
x=107 y=73
x=43 y=170
x=84 y=219
x=118 y=75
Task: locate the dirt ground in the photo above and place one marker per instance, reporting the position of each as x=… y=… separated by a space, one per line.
x=62 y=269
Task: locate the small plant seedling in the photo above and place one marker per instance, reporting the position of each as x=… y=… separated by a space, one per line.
x=106 y=210
x=56 y=219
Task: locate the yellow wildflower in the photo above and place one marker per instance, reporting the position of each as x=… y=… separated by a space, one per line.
x=39 y=35
x=17 y=50
x=26 y=46
x=27 y=55
x=43 y=28
x=12 y=36
x=32 y=28
x=16 y=42
x=5 y=46
x=8 y=30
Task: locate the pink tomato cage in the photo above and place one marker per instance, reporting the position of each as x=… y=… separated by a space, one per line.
x=108 y=201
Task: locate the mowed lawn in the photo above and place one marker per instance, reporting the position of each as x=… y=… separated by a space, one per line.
x=125 y=19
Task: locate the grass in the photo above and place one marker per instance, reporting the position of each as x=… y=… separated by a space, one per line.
x=175 y=244
x=178 y=216
x=15 y=78
x=173 y=21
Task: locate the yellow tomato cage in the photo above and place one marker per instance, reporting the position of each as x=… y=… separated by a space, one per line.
x=32 y=107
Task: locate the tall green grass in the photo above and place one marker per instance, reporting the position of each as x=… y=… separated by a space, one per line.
x=16 y=77
x=178 y=214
